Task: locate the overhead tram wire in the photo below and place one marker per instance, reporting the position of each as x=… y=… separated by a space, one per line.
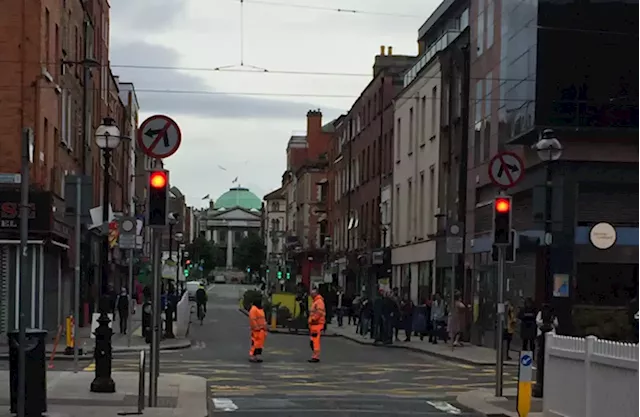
x=302 y=95
x=328 y=9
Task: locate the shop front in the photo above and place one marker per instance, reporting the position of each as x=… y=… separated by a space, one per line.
x=46 y=278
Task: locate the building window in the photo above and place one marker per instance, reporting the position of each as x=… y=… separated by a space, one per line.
x=423 y=132
x=421 y=212
x=411 y=130
x=480 y=38
x=409 y=209
x=490 y=23
x=431 y=215
x=398 y=139
x=434 y=110
x=47 y=39
x=396 y=214
x=487 y=116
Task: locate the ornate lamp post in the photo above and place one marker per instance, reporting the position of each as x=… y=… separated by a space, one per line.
x=107 y=138
x=549 y=149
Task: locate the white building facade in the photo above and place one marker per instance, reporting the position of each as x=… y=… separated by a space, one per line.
x=274 y=225
x=415 y=177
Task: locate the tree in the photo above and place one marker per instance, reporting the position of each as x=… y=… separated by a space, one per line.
x=202 y=252
x=250 y=253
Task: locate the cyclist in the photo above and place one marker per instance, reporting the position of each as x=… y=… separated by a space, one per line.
x=201 y=300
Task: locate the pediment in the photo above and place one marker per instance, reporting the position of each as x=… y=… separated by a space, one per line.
x=235 y=214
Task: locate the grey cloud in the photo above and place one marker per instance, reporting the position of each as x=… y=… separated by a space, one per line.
x=202 y=105
x=148 y=15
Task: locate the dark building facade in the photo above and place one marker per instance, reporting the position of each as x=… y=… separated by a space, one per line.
x=363 y=160
x=563 y=65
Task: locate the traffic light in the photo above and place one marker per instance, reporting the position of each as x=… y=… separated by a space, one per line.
x=510 y=250
x=186 y=272
x=502 y=220
x=279 y=274
x=158 y=201
x=288 y=275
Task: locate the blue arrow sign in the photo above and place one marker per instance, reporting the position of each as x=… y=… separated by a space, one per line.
x=526 y=360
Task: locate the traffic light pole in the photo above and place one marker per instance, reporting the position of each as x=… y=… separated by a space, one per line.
x=500 y=321
x=155 y=321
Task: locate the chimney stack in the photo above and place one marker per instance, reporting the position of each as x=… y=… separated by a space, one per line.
x=389 y=50
x=314 y=122
x=381 y=50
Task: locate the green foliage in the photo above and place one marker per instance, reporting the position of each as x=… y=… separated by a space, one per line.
x=204 y=251
x=250 y=253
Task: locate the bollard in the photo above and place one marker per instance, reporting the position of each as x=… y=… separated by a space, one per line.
x=274 y=318
x=70 y=337
x=141 y=382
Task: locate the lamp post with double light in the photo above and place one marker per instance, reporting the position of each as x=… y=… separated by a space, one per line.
x=549 y=149
x=108 y=138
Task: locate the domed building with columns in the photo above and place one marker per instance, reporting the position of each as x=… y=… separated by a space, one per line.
x=231 y=218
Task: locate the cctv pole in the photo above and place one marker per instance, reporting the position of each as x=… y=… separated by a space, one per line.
x=500 y=321
x=27 y=135
x=76 y=278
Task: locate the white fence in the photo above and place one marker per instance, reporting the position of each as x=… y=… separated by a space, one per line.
x=181 y=326
x=590 y=378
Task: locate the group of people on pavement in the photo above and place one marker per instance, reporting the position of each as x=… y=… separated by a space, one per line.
x=389 y=315
x=533 y=324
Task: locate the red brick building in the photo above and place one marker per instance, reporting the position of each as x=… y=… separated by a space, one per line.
x=45 y=46
x=362 y=161
x=305 y=186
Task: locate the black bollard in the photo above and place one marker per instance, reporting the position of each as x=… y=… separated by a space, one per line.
x=102 y=353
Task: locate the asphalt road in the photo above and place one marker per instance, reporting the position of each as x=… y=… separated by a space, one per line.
x=351 y=380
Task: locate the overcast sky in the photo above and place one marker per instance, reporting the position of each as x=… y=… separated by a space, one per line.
x=226 y=136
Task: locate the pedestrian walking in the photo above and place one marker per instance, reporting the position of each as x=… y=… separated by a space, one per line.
x=123 y=310
x=437 y=318
x=510 y=327
x=527 y=317
x=406 y=316
x=457 y=315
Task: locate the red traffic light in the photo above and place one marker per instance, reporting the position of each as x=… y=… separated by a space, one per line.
x=158 y=179
x=503 y=205
x=188 y=261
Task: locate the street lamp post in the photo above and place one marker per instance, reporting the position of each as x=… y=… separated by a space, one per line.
x=178 y=236
x=180 y=261
x=107 y=138
x=549 y=149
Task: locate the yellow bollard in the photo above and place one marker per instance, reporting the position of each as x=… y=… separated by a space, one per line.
x=70 y=336
x=525 y=378
x=274 y=318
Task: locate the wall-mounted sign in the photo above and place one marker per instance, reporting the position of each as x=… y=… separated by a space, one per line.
x=603 y=235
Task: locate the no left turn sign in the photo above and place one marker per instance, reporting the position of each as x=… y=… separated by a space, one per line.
x=159 y=136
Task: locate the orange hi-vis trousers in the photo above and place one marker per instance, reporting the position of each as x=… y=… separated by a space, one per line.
x=314 y=334
x=257 y=342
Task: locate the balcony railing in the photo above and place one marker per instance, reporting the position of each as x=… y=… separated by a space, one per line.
x=445 y=40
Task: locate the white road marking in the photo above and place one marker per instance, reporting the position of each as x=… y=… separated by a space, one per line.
x=444 y=407
x=224 y=404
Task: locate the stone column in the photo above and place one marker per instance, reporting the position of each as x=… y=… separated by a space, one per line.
x=229 y=249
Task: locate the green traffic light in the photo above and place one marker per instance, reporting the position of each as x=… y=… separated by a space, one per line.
x=279 y=274
x=288 y=275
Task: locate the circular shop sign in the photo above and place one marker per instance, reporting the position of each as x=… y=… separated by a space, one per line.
x=603 y=235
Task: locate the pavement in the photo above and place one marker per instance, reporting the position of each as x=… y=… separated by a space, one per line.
x=68 y=395
x=351 y=380
x=120 y=342
x=485 y=402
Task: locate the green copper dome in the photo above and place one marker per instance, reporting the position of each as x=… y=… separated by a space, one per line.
x=238 y=197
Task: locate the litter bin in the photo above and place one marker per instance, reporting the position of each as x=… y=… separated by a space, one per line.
x=35 y=367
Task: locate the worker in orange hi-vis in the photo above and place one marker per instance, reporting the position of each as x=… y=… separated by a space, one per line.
x=258 y=325
x=317 y=315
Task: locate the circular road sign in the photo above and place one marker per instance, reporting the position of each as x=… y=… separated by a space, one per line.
x=159 y=136
x=128 y=225
x=506 y=169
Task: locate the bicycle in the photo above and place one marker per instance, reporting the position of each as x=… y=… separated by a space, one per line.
x=201 y=313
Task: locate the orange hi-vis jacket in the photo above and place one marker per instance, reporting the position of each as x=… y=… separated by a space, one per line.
x=317 y=313
x=257 y=320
